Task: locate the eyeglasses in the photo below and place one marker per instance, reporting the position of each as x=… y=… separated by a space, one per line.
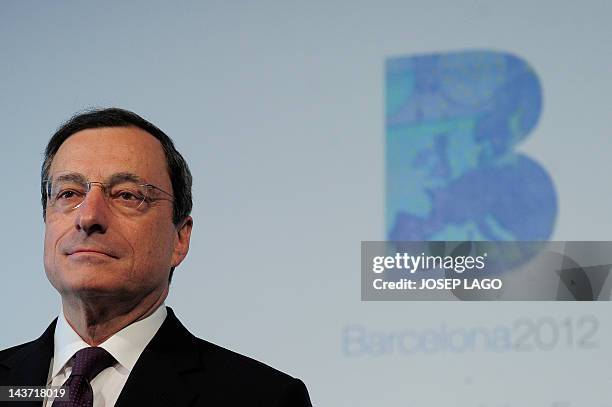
x=124 y=193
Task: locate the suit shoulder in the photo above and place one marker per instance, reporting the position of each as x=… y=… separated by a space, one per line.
x=221 y=358
x=9 y=353
x=12 y=357
x=41 y=348
x=250 y=376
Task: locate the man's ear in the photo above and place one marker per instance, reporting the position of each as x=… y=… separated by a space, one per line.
x=181 y=242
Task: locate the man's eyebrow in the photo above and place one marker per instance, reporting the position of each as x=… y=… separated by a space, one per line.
x=71 y=176
x=114 y=179
x=125 y=176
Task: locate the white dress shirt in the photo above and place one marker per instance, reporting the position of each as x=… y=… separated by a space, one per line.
x=126 y=346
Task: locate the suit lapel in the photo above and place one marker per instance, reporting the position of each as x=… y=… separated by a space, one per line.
x=160 y=375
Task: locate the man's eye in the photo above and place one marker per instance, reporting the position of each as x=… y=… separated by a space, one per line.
x=128 y=196
x=67 y=194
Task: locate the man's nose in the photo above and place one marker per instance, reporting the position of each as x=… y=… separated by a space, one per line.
x=93 y=213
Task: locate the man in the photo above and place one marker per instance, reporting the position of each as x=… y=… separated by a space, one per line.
x=116 y=198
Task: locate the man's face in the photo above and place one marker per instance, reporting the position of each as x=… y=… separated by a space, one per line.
x=94 y=250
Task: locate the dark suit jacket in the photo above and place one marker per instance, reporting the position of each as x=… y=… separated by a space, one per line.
x=175 y=369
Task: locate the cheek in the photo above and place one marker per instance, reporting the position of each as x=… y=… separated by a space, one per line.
x=50 y=244
x=153 y=250
x=50 y=256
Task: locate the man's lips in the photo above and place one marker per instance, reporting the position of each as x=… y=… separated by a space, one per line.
x=90 y=251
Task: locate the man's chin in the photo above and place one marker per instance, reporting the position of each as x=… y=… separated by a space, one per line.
x=89 y=283
x=96 y=291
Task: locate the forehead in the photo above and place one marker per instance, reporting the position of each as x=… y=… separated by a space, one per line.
x=100 y=153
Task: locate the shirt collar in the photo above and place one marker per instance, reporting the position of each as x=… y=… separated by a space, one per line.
x=125 y=345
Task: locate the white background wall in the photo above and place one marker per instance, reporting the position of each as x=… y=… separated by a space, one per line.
x=278 y=107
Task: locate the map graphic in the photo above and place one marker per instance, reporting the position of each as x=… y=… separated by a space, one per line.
x=453 y=121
